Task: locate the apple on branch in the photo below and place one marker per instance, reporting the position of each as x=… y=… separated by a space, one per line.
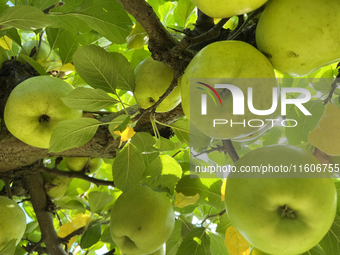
x=34 y=107
x=78 y=164
x=12 y=221
x=301 y=36
x=226 y=9
x=153 y=78
x=142 y=220
x=281 y=213
x=229 y=62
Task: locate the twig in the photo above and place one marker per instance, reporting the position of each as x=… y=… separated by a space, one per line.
x=214 y=215
x=227 y=147
x=77 y=232
x=152 y=108
x=110 y=252
x=230 y=149
x=210 y=34
x=251 y=16
x=78 y=175
x=47 y=10
x=8 y=187
x=217 y=148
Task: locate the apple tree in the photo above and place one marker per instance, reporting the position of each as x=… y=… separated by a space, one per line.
x=125 y=129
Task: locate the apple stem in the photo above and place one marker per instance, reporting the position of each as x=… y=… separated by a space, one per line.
x=44 y=118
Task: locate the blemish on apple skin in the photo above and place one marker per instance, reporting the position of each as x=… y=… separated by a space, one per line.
x=292 y=54
x=139 y=228
x=151 y=100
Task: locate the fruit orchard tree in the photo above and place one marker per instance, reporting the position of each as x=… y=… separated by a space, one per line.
x=99 y=150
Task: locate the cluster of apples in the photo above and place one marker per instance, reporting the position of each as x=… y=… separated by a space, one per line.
x=279 y=214
x=56 y=186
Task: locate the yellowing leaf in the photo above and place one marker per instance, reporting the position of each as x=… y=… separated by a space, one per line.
x=182 y=201
x=236 y=243
x=65 y=230
x=223 y=189
x=66 y=67
x=326 y=135
x=6 y=42
x=78 y=221
x=126 y=134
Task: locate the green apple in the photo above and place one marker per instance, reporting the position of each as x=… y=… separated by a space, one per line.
x=12 y=221
x=45 y=55
x=78 y=163
x=34 y=107
x=228 y=62
x=56 y=186
x=142 y=220
x=3 y=56
x=281 y=213
x=226 y=9
x=160 y=251
x=300 y=36
x=137 y=37
x=152 y=79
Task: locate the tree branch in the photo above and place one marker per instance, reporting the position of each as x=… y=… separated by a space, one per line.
x=35 y=186
x=78 y=175
x=230 y=149
x=160 y=40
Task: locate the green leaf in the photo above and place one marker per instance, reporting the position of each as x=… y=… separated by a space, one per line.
x=164 y=144
x=330 y=243
x=70 y=22
x=143 y=141
x=33 y=63
x=73 y=204
x=106 y=236
x=30 y=227
x=98 y=200
x=189 y=134
x=116 y=122
x=197 y=242
x=224 y=223
x=9 y=248
x=128 y=168
x=14 y=35
x=316 y=250
x=185 y=9
x=164 y=171
x=88 y=99
x=217 y=246
x=68 y=43
x=272 y=136
x=126 y=77
x=77 y=187
x=97 y=67
x=91 y=236
x=73 y=133
x=25 y=18
x=175 y=239
x=299 y=134
x=209 y=190
x=107 y=17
